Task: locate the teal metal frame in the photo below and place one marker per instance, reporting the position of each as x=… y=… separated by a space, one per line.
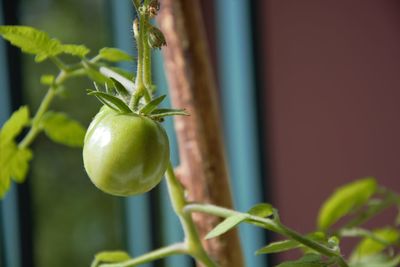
x=9 y=205
x=239 y=105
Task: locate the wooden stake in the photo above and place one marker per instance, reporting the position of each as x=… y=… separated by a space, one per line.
x=203 y=171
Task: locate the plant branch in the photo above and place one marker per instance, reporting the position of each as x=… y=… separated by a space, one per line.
x=178 y=201
x=44 y=106
x=269 y=224
x=170 y=250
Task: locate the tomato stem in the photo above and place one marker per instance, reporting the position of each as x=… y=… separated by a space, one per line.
x=271 y=225
x=174 y=249
x=178 y=201
x=44 y=106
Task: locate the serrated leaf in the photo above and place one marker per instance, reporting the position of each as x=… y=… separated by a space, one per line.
x=62 y=129
x=14 y=125
x=110 y=257
x=114 y=54
x=152 y=105
x=111 y=101
x=308 y=260
x=75 y=50
x=164 y=112
x=261 y=210
x=47 y=79
x=279 y=246
x=344 y=200
x=381 y=239
x=14 y=164
x=226 y=225
x=32 y=41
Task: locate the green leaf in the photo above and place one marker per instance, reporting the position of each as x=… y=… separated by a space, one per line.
x=285 y=245
x=110 y=257
x=111 y=101
x=344 y=200
x=14 y=125
x=152 y=105
x=261 y=210
x=308 y=260
x=376 y=260
x=279 y=246
x=47 y=79
x=14 y=164
x=226 y=225
x=114 y=54
x=62 y=129
x=377 y=242
x=75 y=50
x=164 y=112
x=32 y=41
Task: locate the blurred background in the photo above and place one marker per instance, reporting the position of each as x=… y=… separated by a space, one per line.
x=309 y=97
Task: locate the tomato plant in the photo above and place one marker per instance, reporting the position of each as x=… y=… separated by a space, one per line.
x=125 y=153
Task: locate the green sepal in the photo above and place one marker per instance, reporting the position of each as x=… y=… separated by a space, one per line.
x=122 y=91
x=152 y=105
x=111 y=101
x=165 y=112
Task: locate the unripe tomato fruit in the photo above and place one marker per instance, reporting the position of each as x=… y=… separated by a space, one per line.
x=125 y=154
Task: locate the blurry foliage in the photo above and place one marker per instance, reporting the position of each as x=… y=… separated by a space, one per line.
x=73 y=220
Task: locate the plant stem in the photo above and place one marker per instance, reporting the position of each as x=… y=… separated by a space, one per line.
x=170 y=250
x=140 y=33
x=146 y=61
x=192 y=239
x=269 y=224
x=44 y=106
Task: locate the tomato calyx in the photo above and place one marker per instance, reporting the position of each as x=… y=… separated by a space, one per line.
x=117 y=98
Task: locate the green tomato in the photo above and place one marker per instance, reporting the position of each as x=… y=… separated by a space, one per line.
x=125 y=154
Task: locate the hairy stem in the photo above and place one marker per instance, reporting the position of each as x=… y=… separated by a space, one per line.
x=178 y=201
x=140 y=34
x=269 y=224
x=160 y=253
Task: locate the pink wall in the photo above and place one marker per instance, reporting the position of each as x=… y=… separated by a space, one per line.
x=332 y=91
